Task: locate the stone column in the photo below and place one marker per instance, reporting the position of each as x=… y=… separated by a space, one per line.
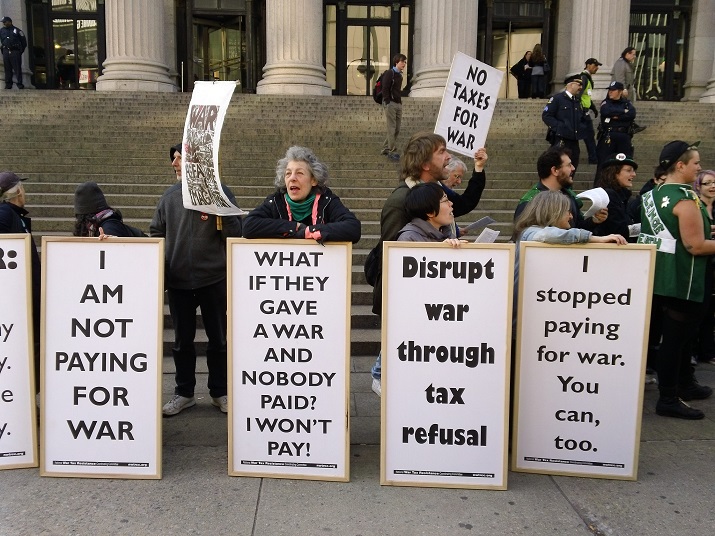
x=15 y=9
x=709 y=95
x=701 y=66
x=602 y=33
x=442 y=27
x=135 y=47
x=294 y=49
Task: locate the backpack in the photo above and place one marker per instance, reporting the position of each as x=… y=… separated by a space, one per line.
x=377 y=90
x=373 y=264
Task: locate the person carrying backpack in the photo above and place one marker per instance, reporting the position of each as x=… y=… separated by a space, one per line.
x=391 y=82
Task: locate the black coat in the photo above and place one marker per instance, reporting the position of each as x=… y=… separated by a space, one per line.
x=270 y=220
x=563 y=115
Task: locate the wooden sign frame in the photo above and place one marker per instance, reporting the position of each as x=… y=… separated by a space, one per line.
x=584 y=314
x=289 y=359
x=18 y=418
x=102 y=350
x=445 y=419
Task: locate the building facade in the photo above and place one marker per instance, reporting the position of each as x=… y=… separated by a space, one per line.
x=340 y=47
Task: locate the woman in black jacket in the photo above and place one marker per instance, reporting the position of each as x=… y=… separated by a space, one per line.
x=93 y=216
x=522 y=72
x=617 y=176
x=302 y=206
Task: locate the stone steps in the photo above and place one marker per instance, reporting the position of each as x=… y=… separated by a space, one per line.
x=121 y=141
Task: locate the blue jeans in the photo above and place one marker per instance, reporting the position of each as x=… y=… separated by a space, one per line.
x=376 y=369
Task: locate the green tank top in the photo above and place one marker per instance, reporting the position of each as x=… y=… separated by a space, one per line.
x=677 y=273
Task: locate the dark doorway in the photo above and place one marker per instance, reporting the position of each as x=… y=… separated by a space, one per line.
x=67 y=43
x=660 y=40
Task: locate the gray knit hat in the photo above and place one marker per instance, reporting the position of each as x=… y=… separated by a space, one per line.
x=89 y=199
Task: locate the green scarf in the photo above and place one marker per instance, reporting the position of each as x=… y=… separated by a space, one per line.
x=301 y=209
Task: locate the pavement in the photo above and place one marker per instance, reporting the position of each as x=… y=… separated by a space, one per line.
x=672 y=496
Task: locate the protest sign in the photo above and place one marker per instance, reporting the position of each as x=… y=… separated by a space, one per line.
x=200 y=182
x=102 y=318
x=446 y=336
x=468 y=104
x=581 y=348
x=18 y=442
x=289 y=365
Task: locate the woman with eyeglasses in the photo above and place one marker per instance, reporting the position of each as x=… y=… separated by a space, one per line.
x=704 y=348
x=431 y=216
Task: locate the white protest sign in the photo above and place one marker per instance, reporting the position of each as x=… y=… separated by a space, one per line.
x=468 y=104
x=582 y=340
x=18 y=443
x=102 y=321
x=200 y=182
x=289 y=370
x=446 y=336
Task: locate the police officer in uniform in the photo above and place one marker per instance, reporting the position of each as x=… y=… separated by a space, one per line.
x=563 y=115
x=13 y=44
x=615 y=132
x=592 y=65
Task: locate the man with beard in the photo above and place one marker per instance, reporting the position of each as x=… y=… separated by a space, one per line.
x=556 y=173
x=425 y=159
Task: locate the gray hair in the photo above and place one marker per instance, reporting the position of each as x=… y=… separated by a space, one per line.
x=318 y=170
x=454 y=163
x=13 y=192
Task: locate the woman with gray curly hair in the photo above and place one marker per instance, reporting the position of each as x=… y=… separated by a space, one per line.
x=302 y=206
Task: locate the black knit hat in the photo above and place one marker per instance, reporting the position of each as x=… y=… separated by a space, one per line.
x=176 y=148
x=89 y=199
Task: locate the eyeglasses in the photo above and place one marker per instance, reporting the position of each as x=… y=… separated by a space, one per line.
x=444 y=199
x=707 y=183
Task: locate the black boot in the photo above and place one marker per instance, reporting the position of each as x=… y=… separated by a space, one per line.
x=692 y=390
x=674 y=407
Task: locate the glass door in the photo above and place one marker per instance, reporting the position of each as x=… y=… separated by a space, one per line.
x=67 y=43
x=360 y=41
x=659 y=40
x=368 y=57
x=219 y=52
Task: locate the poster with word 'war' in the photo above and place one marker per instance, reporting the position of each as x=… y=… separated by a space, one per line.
x=289 y=364
x=581 y=351
x=446 y=339
x=102 y=324
x=200 y=182
x=18 y=443
x=468 y=104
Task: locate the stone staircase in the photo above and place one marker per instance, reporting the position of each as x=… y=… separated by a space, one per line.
x=121 y=141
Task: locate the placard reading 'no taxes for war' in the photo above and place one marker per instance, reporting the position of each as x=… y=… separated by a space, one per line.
x=289 y=342
x=18 y=444
x=468 y=104
x=446 y=336
x=582 y=338
x=102 y=321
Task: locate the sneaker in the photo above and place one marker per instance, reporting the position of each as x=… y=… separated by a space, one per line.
x=394 y=156
x=177 y=404
x=694 y=391
x=221 y=403
x=674 y=407
x=651 y=379
x=377 y=386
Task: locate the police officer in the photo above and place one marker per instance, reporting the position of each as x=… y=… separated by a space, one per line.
x=615 y=132
x=591 y=68
x=563 y=115
x=13 y=44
